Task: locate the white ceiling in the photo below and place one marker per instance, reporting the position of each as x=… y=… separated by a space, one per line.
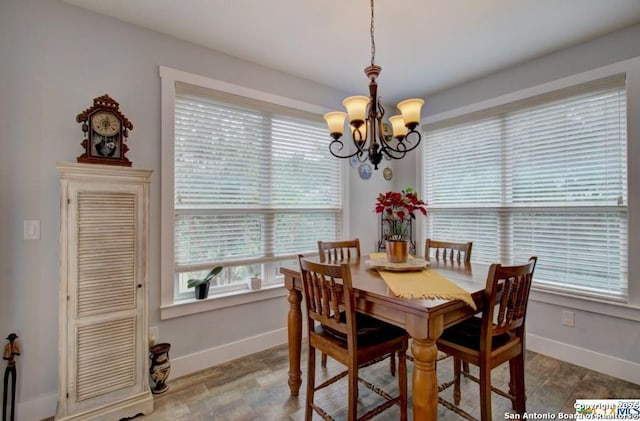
x=423 y=46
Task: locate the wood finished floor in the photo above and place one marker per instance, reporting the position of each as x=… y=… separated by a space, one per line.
x=255 y=388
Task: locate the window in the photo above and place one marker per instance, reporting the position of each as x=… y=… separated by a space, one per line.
x=253 y=186
x=543 y=176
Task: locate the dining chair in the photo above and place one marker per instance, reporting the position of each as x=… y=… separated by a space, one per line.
x=351 y=338
x=336 y=251
x=339 y=250
x=448 y=250
x=494 y=338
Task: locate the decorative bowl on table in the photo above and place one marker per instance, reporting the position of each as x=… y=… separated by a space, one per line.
x=412 y=264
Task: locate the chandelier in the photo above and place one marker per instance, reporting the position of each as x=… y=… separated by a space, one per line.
x=370 y=135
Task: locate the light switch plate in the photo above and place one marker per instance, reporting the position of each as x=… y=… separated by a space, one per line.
x=32 y=230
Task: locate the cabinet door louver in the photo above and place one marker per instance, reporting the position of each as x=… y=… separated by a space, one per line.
x=106 y=358
x=106 y=252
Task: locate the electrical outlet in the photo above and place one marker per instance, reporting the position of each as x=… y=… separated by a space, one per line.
x=153 y=335
x=568 y=318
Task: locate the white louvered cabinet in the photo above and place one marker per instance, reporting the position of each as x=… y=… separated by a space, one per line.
x=103 y=300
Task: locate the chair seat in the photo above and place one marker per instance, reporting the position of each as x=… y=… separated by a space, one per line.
x=369 y=330
x=467 y=334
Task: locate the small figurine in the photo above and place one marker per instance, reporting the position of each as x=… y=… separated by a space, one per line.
x=11 y=350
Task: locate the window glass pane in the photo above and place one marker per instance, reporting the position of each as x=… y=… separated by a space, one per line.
x=253 y=182
x=568 y=151
x=480 y=227
x=545 y=176
x=220 y=155
x=580 y=249
x=463 y=164
x=213 y=238
x=300 y=232
x=301 y=178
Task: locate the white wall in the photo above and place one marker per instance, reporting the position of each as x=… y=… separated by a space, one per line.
x=605 y=337
x=363 y=193
x=54 y=59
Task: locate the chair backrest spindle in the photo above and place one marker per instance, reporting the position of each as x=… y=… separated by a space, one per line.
x=508 y=289
x=339 y=251
x=328 y=290
x=448 y=250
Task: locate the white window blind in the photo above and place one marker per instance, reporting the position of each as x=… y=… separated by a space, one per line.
x=545 y=176
x=254 y=183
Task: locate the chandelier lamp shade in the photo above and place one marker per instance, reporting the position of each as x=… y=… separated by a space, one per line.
x=370 y=135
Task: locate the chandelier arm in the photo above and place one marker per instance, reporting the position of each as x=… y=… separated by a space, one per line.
x=403 y=146
x=340 y=146
x=390 y=153
x=363 y=158
x=381 y=111
x=387 y=145
x=393 y=152
x=413 y=133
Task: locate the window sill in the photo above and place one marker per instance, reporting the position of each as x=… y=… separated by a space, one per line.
x=627 y=311
x=187 y=307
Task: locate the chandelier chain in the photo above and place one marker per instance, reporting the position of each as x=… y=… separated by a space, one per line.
x=373 y=41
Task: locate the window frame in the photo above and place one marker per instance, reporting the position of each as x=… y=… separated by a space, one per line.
x=631 y=68
x=171 y=307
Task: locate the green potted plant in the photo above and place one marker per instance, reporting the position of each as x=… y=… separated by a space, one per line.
x=202 y=285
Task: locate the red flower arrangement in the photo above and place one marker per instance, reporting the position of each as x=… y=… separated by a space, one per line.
x=397 y=209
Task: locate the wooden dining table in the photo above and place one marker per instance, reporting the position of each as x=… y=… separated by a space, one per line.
x=423 y=319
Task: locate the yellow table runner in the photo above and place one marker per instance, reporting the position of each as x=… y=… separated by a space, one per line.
x=424 y=284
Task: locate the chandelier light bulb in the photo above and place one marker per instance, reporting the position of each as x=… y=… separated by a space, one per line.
x=335 y=122
x=356 y=108
x=398 y=126
x=410 y=109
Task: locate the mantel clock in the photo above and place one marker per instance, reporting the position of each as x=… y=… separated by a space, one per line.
x=106 y=130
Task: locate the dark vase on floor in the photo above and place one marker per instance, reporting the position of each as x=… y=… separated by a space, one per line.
x=202 y=291
x=160 y=366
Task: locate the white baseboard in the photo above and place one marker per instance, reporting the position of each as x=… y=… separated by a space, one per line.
x=606 y=364
x=213 y=356
x=45 y=406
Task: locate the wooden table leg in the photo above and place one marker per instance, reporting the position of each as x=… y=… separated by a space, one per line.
x=294 y=328
x=425 y=380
